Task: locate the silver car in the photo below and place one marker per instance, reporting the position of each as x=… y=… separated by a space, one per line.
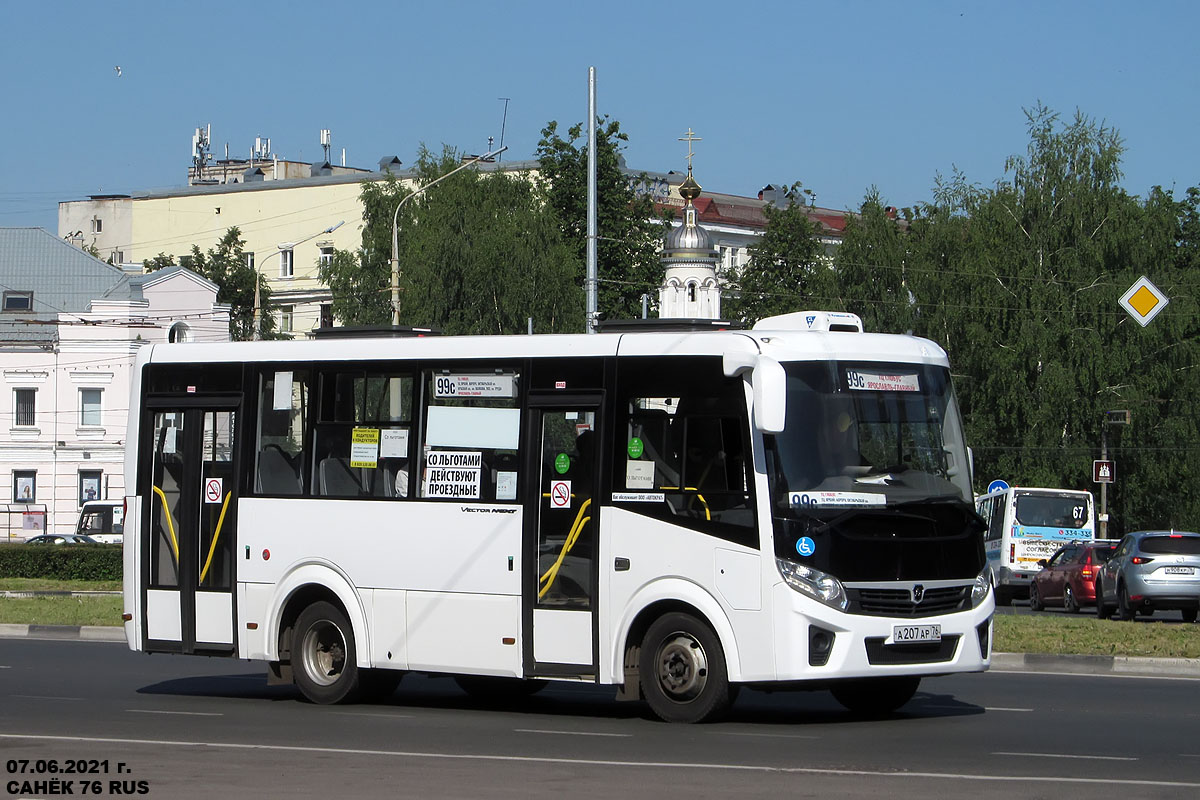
x=1151 y=571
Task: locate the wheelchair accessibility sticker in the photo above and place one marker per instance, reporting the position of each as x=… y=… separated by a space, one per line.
x=806 y=546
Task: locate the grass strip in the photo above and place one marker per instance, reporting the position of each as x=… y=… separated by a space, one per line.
x=53 y=585
x=61 y=610
x=1084 y=635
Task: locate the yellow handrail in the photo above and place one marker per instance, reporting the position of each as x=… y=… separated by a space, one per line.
x=170 y=522
x=216 y=535
x=551 y=574
x=700 y=497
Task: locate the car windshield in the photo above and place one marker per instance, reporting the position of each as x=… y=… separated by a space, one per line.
x=868 y=434
x=1051 y=510
x=1167 y=545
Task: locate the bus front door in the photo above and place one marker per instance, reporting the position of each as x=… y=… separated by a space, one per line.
x=561 y=584
x=190 y=500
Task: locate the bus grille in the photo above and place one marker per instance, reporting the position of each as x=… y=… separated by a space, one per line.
x=879 y=653
x=899 y=603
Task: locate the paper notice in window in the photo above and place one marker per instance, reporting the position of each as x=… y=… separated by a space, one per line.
x=394 y=443
x=282 y=396
x=364 y=448
x=639 y=474
x=506 y=485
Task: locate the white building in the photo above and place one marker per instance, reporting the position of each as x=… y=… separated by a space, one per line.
x=69 y=327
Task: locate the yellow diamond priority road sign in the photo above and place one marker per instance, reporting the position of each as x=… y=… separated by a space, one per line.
x=1143 y=301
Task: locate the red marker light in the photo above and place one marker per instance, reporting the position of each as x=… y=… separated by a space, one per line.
x=266 y=555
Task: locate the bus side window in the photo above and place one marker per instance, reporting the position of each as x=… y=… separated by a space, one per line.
x=361 y=444
x=683 y=435
x=469 y=450
x=282 y=414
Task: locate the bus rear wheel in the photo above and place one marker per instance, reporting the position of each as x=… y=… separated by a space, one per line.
x=682 y=670
x=876 y=696
x=324 y=661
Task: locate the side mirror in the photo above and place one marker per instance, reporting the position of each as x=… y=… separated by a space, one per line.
x=769 y=383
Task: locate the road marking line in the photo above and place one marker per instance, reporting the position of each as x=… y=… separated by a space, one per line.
x=181 y=713
x=1067 y=755
x=44 y=697
x=1092 y=675
x=573 y=733
x=989 y=708
x=367 y=714
x=680 y=765
x=769 y=735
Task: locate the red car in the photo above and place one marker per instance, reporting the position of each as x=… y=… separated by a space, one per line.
x=1068 y=579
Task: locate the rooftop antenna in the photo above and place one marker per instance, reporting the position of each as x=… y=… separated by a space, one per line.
x=325 y=141
x=200 y=154
x=503 y=122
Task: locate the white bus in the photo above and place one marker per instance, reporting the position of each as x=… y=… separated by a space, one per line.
x=675 y=513
x=1027 y=525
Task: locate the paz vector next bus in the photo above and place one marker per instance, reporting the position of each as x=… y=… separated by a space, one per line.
x=677 y=513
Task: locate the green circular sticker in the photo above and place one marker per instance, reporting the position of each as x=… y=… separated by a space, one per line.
x=635 y=447
x=562 y=463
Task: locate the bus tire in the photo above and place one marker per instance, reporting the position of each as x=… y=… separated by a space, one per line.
x=323 y=656
x=875 y=696
x=682 y=670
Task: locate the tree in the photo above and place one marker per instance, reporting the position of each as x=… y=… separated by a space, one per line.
x=1019 y=283
x=226 y=266
x=787 y=270
x=627 y=259
x=479 y=253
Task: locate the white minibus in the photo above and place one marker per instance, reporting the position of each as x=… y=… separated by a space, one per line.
x=675 y=512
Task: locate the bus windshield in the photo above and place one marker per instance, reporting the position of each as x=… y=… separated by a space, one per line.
x=1052 y=511
x=869 y=434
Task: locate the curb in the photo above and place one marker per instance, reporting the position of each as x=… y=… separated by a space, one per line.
x=20 y=594
x=1096 y=665
x=90 y=633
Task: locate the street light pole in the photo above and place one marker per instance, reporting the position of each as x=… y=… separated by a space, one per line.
x=255 y=335
x=396 y=218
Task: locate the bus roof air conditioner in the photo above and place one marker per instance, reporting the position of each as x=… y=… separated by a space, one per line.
x=824 y=321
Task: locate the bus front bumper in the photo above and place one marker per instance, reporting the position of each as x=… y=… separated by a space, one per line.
x=816 y=642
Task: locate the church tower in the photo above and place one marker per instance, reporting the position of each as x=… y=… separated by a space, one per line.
x=690 y=289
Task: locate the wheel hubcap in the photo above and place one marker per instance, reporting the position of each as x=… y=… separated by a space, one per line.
x=323 y=653
x=682 y=667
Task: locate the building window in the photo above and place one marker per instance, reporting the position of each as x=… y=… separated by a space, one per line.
x=89 y=407
x=285 y=318
x=326 y=315
x=285 y=263
x=326 y=256
x=250 y=260
x=97 y=225
x=89 y=485
x=25 y=407
x=18 y=301
x=25 y=486
x=180 y=332
x=118 y=257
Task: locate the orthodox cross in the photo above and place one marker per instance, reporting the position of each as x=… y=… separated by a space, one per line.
x=691 y=137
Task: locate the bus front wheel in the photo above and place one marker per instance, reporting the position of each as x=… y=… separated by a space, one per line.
x=682 y=670
x=874 y=696
x=323 y=657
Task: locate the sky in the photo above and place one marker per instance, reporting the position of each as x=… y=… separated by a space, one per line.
x=839 y=96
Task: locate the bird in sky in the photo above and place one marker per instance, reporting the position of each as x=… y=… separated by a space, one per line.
x=118 y=69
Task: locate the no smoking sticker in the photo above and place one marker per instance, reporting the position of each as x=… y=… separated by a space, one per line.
x=212 y=490
x=560 y=494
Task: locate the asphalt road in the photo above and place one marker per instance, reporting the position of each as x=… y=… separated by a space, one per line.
x=196 y=727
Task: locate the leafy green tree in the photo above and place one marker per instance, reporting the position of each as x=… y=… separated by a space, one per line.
x=627 y=251
x=1019 y=283
x=479 y=253
x=226 y=266
x=787 y=270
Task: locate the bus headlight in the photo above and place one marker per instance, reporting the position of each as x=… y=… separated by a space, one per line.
x=983 y=585
x=814 y=583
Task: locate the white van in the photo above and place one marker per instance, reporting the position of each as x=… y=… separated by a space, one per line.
x=103 y=520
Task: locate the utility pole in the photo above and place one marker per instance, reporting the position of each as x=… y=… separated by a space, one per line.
x=590 y=283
